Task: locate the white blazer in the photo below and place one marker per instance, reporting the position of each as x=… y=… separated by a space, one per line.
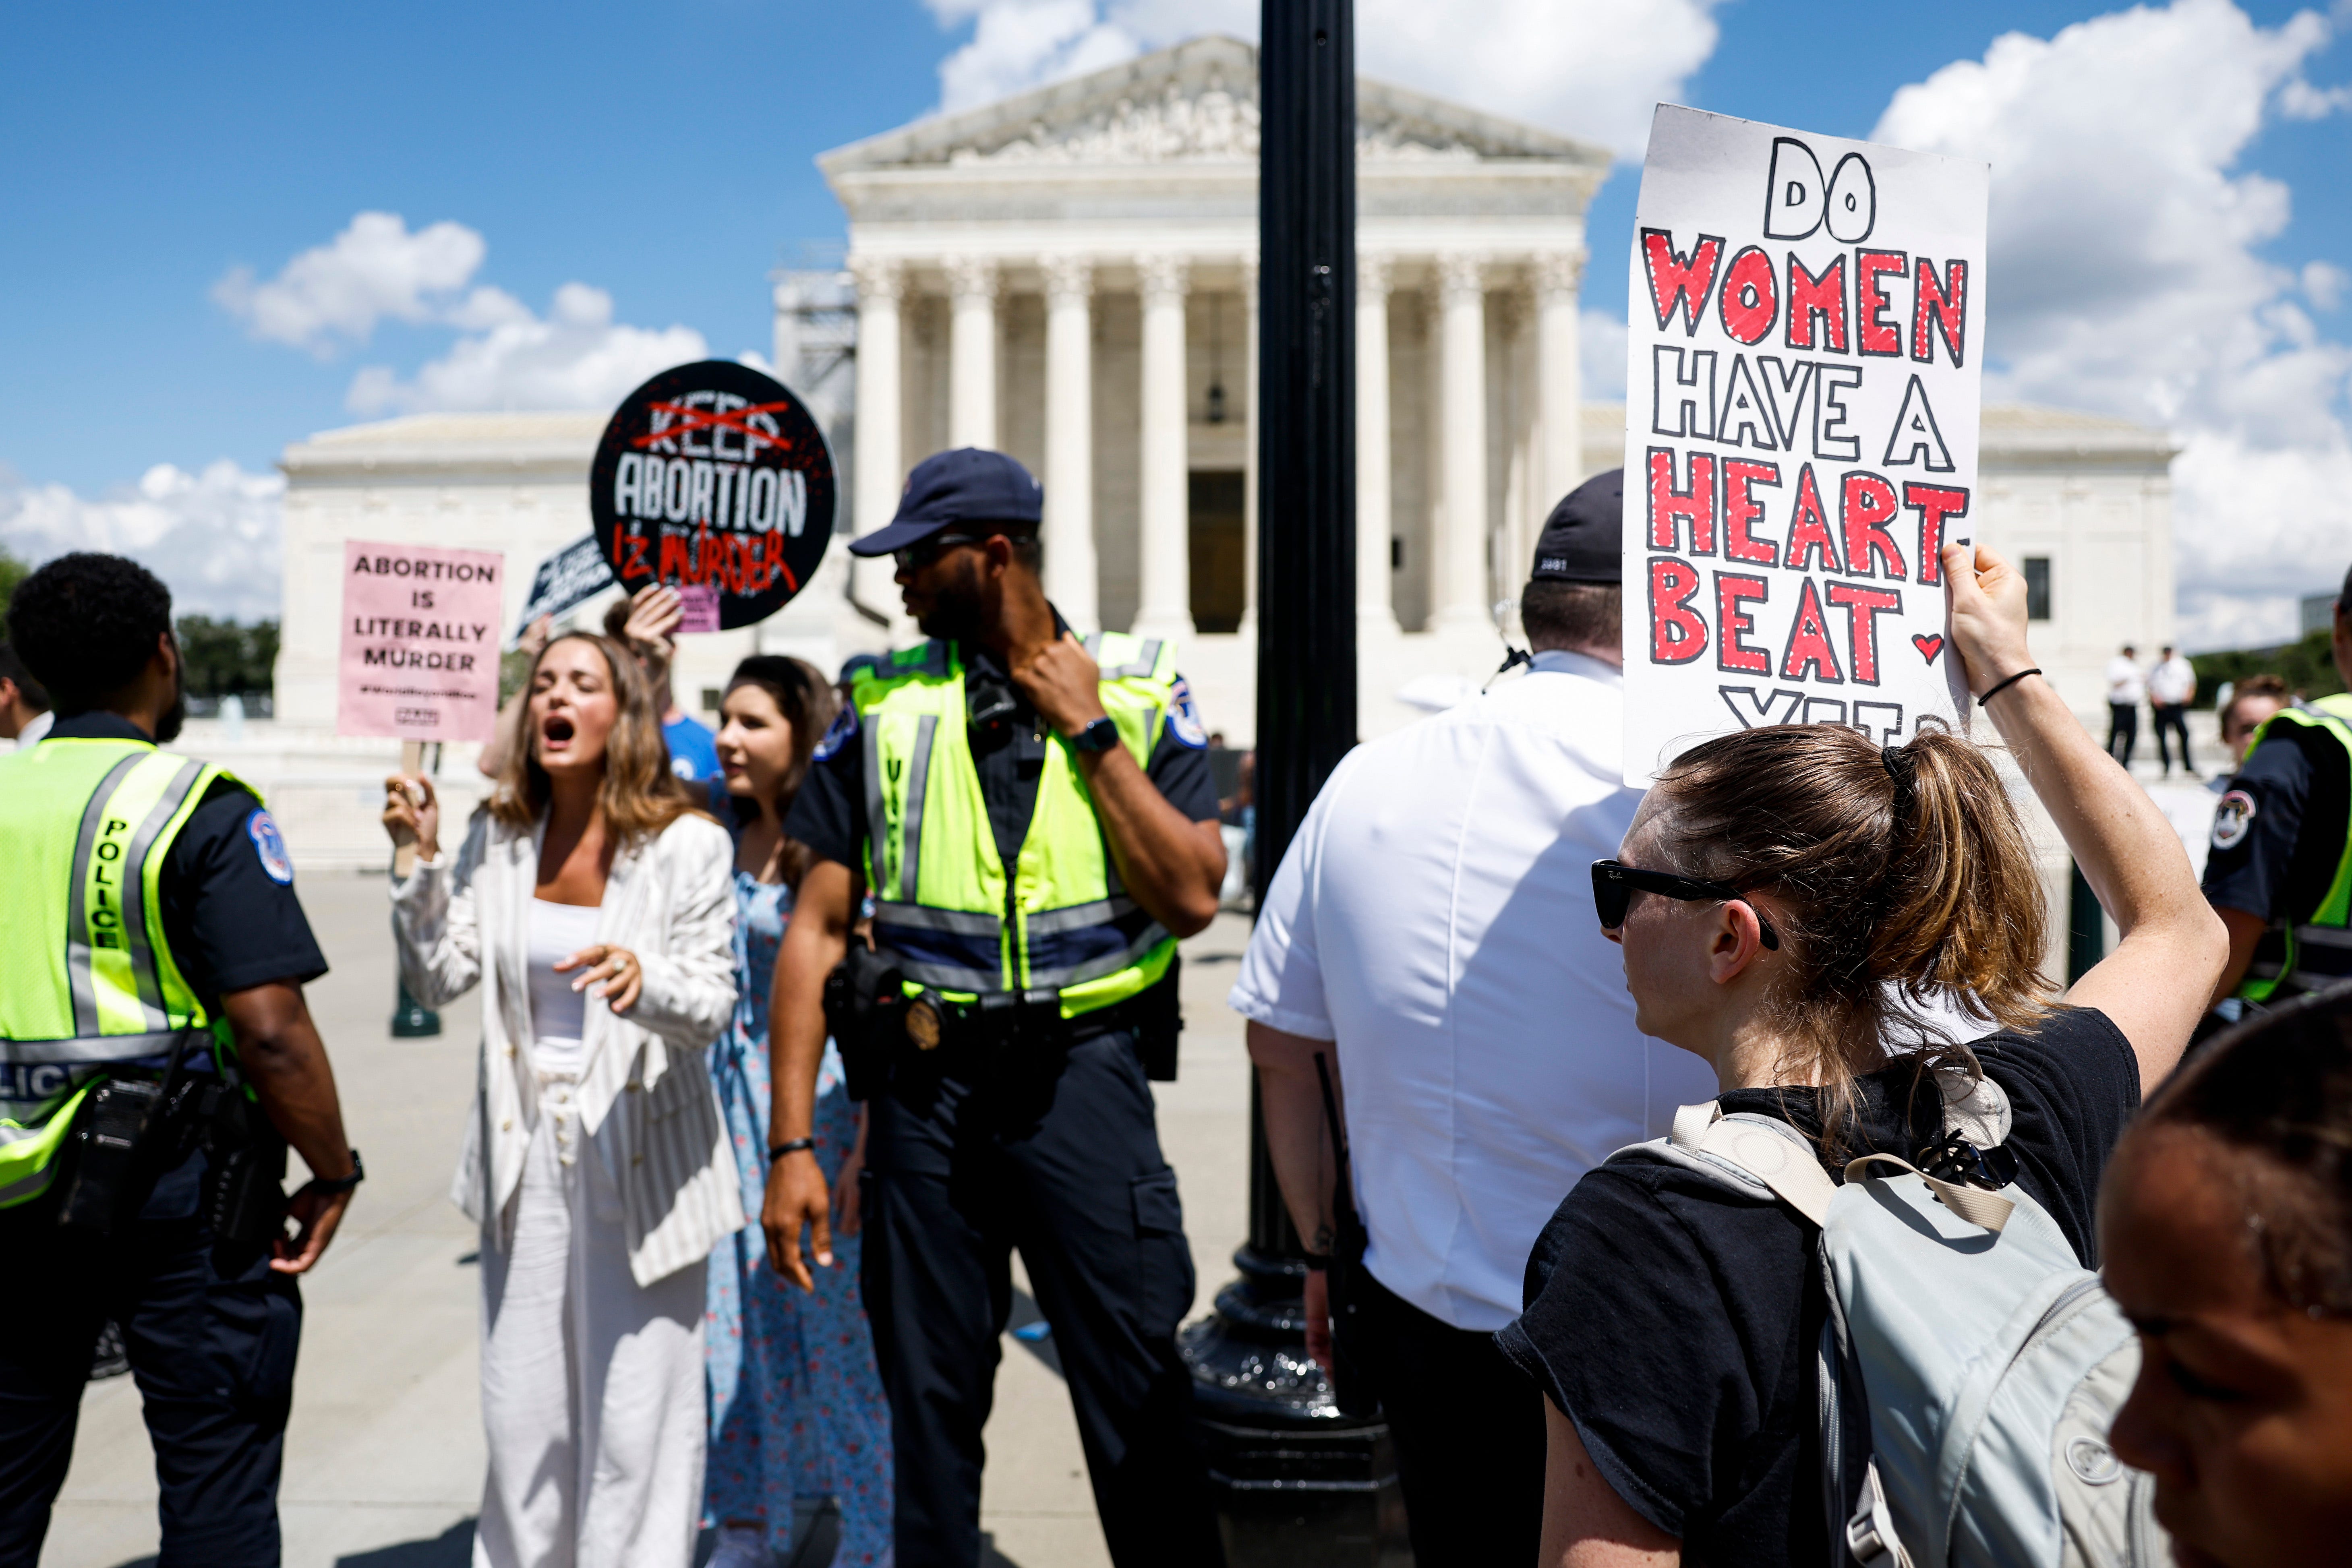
x=647 y=1102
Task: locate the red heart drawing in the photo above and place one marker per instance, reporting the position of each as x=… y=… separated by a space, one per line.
x=1929 y=646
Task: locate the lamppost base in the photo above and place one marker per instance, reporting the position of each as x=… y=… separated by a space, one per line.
x=411 y=1020
x=1298 y=1484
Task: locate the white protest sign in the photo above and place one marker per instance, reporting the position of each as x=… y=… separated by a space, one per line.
x=1802 y=391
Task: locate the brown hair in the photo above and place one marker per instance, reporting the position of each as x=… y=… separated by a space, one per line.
x=2262 y=686
x=1571 y=615
x=1901 y=871
x=2278 y=1090
x=640 y=795
x=808 y=702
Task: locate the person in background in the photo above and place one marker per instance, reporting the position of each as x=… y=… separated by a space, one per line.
x=2243 y=712
x=1431 y=935
x=208 y=986
x=507 y=735
x=1781 y=892
x=25 y=715
x=2171 y=686
x=2278 y=871
x=797 y=1411
x=2126 y=688
x=591 y=901
x=646 y=624
x=2225 y=1222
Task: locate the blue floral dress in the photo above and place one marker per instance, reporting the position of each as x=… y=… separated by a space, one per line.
x=796 y=1406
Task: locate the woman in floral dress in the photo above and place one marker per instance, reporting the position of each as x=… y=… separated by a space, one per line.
x=796 y=1407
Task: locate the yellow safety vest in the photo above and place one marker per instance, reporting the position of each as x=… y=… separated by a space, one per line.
x=944 y=908
x=86 y=976
x=2295 y=957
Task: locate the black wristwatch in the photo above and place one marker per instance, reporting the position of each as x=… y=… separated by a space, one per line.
x=1099 y=735
x=342 y=1184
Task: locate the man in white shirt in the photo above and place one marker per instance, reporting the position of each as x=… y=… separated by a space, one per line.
x=25 y=715
x=2171 y=686
x=2126 y=688
x=1434 y=918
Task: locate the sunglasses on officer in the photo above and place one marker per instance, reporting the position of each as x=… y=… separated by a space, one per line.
x=1614 y=884
x=917 y=556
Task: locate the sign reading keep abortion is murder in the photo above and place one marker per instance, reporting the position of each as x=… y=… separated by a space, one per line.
x=1802 y=373
x=420 y=642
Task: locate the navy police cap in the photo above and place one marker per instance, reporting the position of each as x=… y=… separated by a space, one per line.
x=968 y=485
x=1585 y=537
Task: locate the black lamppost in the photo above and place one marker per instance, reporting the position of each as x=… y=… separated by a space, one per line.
x=1300 y=1484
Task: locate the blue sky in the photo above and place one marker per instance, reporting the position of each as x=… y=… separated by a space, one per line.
x=661 y=154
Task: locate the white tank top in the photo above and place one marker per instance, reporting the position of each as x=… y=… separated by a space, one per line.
x=557 y=1011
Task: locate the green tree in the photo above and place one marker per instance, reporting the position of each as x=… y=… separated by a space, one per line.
x=2308 y=666
x=12 y=572
x=223 y=656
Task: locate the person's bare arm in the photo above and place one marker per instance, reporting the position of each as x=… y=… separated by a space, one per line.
x=279 y=1052
x=2157 y=983
x=2245 y=930
x=1585 y=1524
x=1299 y=1141
x=814 y=940
x=1171 y=865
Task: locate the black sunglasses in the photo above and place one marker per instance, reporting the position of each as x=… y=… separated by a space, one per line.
x=916 y=557
x=1614 y=885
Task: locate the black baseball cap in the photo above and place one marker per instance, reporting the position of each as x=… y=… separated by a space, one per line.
x=1585 y=537
x=968 y=485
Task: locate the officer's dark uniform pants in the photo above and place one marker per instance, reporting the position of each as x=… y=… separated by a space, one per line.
x=1060 y=1158
x=2123 y=730
x=1468 y=1429
x=211 y=1338
x=2172 y=718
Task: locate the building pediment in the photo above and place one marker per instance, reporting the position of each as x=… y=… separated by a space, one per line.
x=1193 y=103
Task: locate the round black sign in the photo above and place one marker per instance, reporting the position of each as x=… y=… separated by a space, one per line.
x=715 y=475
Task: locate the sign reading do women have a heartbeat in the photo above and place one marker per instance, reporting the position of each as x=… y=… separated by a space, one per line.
x=1803 y=386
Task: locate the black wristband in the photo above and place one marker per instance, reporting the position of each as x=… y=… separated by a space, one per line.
x=2007 y=683
x=789 y=1147
x=1317 y=1262
x=342 y=1184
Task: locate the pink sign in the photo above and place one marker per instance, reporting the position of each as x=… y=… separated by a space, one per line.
x=420 y=657
x=697 y=605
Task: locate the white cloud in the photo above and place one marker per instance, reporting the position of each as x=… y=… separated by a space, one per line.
x=2128 y=277
x=375 y=269
x=213 y=537
x=577 y=357
x=1590 y=67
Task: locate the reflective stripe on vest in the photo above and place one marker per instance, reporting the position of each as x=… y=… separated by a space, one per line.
x=943 y=907
x=86 y=826
x=2291 y=959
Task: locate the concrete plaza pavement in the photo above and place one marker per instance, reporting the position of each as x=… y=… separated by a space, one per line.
x=385 y=1456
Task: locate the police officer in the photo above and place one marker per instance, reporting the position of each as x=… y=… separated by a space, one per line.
x=154 y=1049
x=1035 y=820
x=2280 y=870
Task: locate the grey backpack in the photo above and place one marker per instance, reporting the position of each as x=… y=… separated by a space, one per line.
x=1970 y=1366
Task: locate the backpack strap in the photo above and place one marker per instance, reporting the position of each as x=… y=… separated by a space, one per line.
x=1988 y=1210
x=1766 y=1147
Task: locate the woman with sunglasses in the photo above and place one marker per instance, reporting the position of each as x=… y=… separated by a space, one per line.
x=1792 y=901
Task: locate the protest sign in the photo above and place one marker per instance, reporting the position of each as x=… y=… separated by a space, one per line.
x=572 y=575
x=1803 y=367
x=714 y=473
x=420 y=642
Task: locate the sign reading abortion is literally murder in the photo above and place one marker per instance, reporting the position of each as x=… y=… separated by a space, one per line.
x=1801 y=393
x=714 y=475
x=420 y=657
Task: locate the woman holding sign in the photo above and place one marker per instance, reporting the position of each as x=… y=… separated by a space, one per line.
x=1782 y=892
x=591 y=900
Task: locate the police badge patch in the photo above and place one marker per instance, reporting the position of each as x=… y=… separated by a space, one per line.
x=270 y=848
x=1183 y=720
x=843 y=726
x=2232 y=819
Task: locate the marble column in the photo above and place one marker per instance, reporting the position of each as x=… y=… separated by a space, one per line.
x=1070 y=579
x=1164 y=607
x=971 y=352
x=881 y=464
x=1248 y=627
x=1375 y=614
x=1460 y=556
x=1559 y=387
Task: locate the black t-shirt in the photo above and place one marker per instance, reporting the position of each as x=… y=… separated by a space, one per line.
x=230 y=914
x=1676 y=1323
x=828 y=815
x=2281 y=828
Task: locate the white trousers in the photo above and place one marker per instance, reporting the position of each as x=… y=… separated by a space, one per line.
x=592 y=1386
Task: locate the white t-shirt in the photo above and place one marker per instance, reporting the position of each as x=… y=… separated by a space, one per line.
x=2126 y=685
x=2171 y=681
x=1434 y=916
x=558 y=1013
